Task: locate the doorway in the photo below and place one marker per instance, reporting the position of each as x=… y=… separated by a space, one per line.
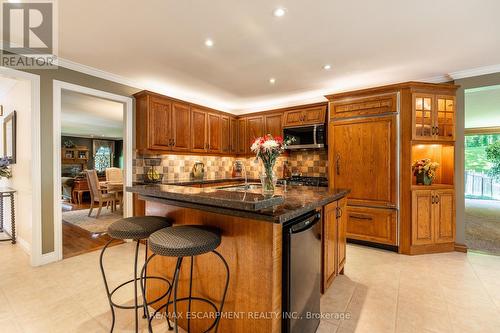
x=93 y=165
x=482 y=170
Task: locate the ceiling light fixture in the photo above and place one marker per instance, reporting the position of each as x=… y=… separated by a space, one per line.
x=327 y=67
x=272 y=80
x=209 y=42
x=279 y=12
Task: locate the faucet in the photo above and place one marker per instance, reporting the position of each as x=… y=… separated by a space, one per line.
x=243 y=169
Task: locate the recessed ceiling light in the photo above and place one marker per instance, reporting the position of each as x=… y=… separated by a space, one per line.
x=272 y=80
x=279 y=12
x=327 y=67
x=209 y=42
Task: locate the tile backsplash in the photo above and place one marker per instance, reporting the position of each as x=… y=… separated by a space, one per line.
x=308 y=162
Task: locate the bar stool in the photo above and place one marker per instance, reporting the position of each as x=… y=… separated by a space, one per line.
x=136 y=229
x=186 y=241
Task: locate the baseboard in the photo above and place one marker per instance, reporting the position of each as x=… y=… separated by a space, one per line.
x=48 y=258
x=372 y=244
x=460 y=248
x=24 y=245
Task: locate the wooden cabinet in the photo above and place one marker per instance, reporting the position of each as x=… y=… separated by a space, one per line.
x=225 y=128
x=181 y=120
x=305 y=116
x=242 y=147
x=273 y=124
x=377 y=225
x=433 y=216
x=255 y=128
x=233 y=136
x=433 y=117
x=214 y=133
x=198 y=130
x=378 y=103
x=334 y=240
x=159 y=115
x=363 y=155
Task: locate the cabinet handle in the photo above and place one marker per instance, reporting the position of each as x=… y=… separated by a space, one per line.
x=359 y=217
x=433 y=200
x=437 y=130
x=337 y=164
x=438 y=199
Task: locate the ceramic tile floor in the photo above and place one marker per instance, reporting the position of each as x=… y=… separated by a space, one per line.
x=381 y=292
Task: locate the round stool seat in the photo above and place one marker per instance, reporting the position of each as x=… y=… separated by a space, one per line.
x=184 y=241
x=137 y=227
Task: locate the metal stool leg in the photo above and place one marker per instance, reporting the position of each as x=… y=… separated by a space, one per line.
x=225 y=290
x=106 y=285
x=176 y=282
x=145 y=279
x=190 y=295
x=136 y=309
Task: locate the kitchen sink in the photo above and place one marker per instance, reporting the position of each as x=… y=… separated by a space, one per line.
x=238 y=188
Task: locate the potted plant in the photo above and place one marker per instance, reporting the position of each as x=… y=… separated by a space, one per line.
x=268 y=149
x=5 y=171
x=425 y=171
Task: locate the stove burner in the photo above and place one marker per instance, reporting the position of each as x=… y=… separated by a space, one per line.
x=308 y=181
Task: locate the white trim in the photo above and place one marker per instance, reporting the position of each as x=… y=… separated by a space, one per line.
x=36 y=163
x=475 y=72
x=58 y=87
x=48 y=258
x=24 y=245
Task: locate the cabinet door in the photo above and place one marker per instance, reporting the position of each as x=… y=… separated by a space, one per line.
x=243 y=147
x=422 y=217
x=198 y=130
x=341 y=234
x=225 y=126
x=444 y=118
x=159 y=124
x=444 y=216
x=293 y=118
x=329 y=240
x=273 y=124
x=214 y=133
x=362 y=155
x=233 y=138
x=255 y=128
x=378 y=225
x=181 y=120
x=314 y=115
x=423 y=117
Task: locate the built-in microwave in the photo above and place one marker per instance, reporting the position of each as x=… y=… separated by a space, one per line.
x=306 y=137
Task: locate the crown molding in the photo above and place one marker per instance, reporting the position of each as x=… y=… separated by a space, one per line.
x=475 y=72
x=436 y=79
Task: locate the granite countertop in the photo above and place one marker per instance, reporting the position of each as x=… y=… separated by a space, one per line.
x=193 y=181
x=291 y=201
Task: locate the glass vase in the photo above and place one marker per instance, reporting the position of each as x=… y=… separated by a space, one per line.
x=268 y=181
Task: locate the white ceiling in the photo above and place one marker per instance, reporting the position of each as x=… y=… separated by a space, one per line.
x=482 y=107
x=159 y=44
x=88 y=116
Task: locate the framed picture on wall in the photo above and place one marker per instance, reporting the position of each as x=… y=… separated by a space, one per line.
x=9 y=137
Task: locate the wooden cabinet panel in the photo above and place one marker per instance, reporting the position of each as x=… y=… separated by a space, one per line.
x=444 y=213
x=274 y=124
x=329 y=239
x=293 y=118
x=314 y=115
x=433 y=117
x=372 y=224
x=341 y=234
x=160 y=115
x=226 y=137
x=214 y=133
x=181 y=120
x=422 y=217
x=364 y=106
x=362 y=157
x=198 y=130
x=444 y=118
x=243 y=147
x=255 y=129
x=233 y=138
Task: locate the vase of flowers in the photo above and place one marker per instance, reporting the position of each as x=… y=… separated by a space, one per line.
x=425 y=171
x=268 y=149
x=5 y=171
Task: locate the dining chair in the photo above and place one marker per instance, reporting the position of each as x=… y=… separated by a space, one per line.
x=98 y=194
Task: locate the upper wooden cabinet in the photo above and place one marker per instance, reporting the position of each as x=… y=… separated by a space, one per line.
x=255 y=129
x=378 y=103
x=233 y=135
x=214 y=133
x=305 y=116
x=274 y=124
x=225 y=128
x=199 y=130
x=433 y=117
x=243 y=146
x=181 y=119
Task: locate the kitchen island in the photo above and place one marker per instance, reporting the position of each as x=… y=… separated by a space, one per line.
x=252 y=243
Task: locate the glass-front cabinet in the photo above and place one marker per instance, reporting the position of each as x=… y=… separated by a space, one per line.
x=434 y=117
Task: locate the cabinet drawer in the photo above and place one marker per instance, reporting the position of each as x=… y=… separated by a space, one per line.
x=363 y=106
x=372 y=224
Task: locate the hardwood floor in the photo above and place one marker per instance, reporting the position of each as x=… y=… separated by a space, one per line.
x=77 y=240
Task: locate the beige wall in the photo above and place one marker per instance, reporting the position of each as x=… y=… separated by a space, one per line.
x=46 y=110
x=18 y=99
x=468 y=83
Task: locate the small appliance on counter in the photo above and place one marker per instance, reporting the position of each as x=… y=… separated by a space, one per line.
x=198 y=171
x=151 y=175
x=237 y=169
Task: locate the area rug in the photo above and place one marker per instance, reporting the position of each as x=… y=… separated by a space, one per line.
x=81 y=219
x=482 y=225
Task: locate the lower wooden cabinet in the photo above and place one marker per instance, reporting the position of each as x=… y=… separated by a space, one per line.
x=378 y=225
x=334 y=241
x=433 y=217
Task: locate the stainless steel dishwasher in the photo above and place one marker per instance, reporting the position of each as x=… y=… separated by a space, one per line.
x=302 y=273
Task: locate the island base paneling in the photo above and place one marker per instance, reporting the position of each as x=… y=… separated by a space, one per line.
x=252 y=249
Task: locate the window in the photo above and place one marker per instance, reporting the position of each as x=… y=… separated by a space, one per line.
x=104 y=154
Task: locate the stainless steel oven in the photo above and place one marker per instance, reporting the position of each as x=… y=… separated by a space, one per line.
x=306 y=137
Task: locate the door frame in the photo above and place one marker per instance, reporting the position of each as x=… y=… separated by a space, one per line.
x=58 y=88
